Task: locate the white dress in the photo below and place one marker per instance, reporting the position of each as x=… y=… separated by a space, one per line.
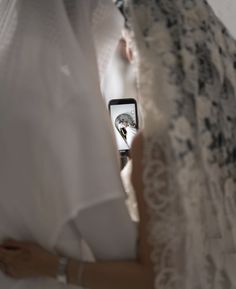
x=58 y=163
x=93 y=225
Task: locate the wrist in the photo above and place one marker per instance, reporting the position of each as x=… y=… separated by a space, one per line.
x=72 y=272
x=51 y=267
x=75 y=271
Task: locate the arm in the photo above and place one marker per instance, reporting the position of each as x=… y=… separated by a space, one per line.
x=136 y=274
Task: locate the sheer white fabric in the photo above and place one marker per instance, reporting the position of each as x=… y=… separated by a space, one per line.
x=187 y=80
x=56 y=149
x=93 y=224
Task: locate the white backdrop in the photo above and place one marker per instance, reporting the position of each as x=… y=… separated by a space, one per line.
x=226 y=10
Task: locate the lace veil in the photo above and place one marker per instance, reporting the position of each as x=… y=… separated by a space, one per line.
x=187 y=81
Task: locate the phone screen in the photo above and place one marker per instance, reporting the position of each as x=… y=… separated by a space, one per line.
x=125 y=123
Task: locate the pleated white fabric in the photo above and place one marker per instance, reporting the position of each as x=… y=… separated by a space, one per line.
x=56 y=149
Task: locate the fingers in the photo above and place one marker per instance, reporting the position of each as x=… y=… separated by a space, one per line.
x=5 y=259
x=16 y=245
x=4 y=256
x=12 y=243
x=8 y=260
x=2 y=268
x=16 y=258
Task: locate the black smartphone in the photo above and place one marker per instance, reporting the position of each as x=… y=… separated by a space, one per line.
x=124 y=117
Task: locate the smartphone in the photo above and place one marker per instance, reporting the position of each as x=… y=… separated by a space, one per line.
x=124 y=117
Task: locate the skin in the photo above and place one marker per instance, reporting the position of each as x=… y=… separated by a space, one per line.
x=125 y=52
x=24 y=260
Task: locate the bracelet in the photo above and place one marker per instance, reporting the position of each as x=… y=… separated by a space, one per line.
x=61 y=272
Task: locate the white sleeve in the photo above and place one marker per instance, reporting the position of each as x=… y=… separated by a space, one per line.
x=108 y=230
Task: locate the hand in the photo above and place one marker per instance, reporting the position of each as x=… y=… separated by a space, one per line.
x=24 y=260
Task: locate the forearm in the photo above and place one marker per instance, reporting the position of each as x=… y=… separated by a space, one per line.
x=27 y=260
x=115 y=275
x=106 y=275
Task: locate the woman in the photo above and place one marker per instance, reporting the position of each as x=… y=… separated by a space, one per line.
x=187 y=81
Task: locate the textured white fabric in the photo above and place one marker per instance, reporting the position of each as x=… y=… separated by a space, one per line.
x=56 y=150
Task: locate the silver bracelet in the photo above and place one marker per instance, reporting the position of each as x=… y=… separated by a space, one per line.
x=62 y=268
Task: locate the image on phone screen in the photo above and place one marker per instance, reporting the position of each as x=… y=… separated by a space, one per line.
x=125 y=122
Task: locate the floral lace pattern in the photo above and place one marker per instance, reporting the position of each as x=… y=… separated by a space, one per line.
x=187 y=80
